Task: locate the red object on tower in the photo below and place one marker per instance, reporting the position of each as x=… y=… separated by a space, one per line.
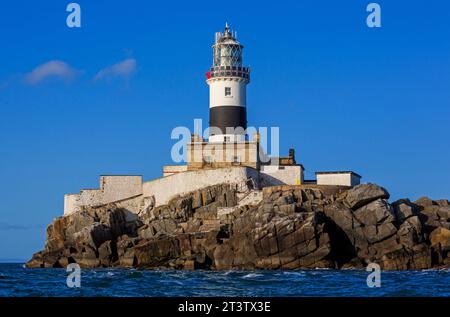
x=208 y=75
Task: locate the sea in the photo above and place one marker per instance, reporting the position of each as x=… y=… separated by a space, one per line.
x=18 y=281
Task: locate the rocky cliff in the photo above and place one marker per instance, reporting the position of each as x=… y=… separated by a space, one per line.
x=290 y=227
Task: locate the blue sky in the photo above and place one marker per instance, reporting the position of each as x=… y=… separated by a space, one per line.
x=346 y=97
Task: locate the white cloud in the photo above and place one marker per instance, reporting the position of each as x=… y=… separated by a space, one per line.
x=55 y=68
x=123 y=69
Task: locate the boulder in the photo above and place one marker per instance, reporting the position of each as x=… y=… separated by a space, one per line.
x=107 y=253
x=375 y=213
x=440 y=236
x=418 y=258
x=443 y=202
x=93 y=235
x=425 y=202
x=411 y=232
x=435 y=216
x=86 y=258
x=363 y=194
x=404 y=209
x=223 y=257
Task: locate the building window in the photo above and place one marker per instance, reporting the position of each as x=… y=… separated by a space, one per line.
x=226 y=139
x=236 y=160
x=227 y=91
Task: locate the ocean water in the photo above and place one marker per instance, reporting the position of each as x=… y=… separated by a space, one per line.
x=15 y=280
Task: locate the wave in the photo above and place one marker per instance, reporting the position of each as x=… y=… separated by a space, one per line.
x=252 y=275
x=294 y=273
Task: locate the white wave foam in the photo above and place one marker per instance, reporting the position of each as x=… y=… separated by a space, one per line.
x=252 y=275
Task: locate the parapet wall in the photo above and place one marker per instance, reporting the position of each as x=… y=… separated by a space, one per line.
x=131 y=192
x=119 y=187
x=163 y=189
x=112 y=189
x=173 y=169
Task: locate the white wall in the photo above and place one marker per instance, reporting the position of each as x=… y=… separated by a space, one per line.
x=163 y=189
x=90 y=197
x=112 y=188
x=119 y=187
x=71 y=203
x=289 y=175
x=217 y=92
x=173 y=169
x=344 y=179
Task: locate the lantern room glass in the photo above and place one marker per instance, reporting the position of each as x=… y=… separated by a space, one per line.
x=225 y=54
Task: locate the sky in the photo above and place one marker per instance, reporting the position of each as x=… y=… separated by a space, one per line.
x=76 y=103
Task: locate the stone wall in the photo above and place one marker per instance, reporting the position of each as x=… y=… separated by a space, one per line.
x=173 y=169
x=112 y=188
x=163 y=189
x=221 y=155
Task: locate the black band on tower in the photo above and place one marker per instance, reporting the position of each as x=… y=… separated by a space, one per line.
x=224 y=117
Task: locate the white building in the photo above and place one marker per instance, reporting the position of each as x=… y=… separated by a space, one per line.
x=345 y=178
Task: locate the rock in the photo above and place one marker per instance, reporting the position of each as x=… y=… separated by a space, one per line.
x=164 y=226
x=353 y=263
x=341 y=216
x=443 y=202
x=223 y=257
x=401 y=259
x=288 y=209
x=147 y=232
x=375 y=213
x=87 y=258
x=383 y=247
x=363 y=194
x=434 y=216
x=403 y=209
x=425 y=202
x=292 y=227
x=156 y=252
x=93 y=235
x=410 y=232
x=382 y=232
x=441 y=236
x=189 y=265
x=125 y=251
x=107 y=253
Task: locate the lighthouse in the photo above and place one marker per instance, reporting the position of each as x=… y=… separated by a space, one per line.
x=229 y=144
x=227 y=80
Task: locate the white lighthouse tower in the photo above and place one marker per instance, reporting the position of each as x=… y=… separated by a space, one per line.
x=227 y=80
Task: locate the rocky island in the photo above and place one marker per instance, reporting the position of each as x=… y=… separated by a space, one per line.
x=280 y=227
x=234 y=205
